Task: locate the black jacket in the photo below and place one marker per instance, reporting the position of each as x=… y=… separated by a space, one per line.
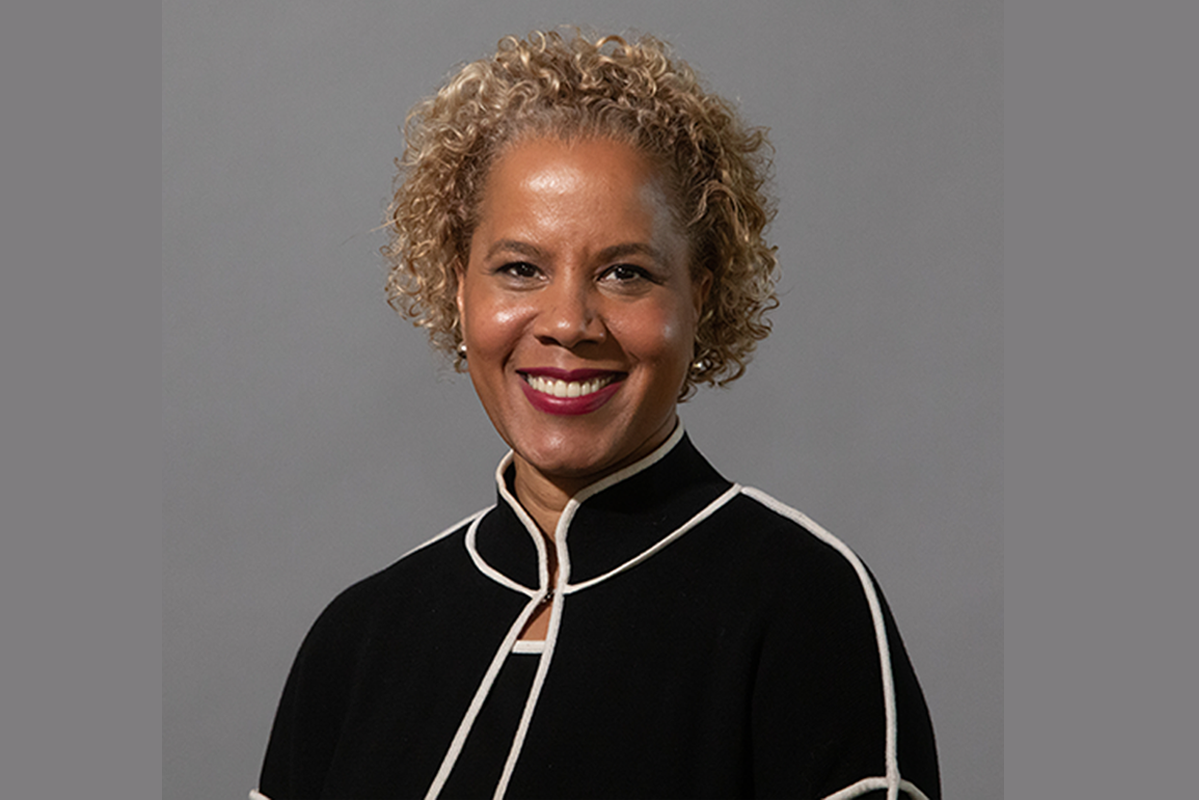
x=706 y=641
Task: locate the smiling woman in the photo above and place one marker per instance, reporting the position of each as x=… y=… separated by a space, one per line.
x=578 y=277
x=581 y=223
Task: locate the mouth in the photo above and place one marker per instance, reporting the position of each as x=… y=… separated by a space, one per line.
x=560 y=388
x=570 y=392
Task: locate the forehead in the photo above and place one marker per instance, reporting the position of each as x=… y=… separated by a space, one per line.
x=554 y=175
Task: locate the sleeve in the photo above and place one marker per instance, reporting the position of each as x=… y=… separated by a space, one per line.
x=312 y=709
x=837 y=711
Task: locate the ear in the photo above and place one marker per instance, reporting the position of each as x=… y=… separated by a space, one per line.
x=460 y=279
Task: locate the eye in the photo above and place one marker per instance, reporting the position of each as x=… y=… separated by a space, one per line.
x=520 y=269
x=625 y=273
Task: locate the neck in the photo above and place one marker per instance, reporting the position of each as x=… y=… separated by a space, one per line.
x=545 y=496
x=544 y=499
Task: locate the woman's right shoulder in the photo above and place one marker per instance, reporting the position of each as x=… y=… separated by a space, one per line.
x=402 y=585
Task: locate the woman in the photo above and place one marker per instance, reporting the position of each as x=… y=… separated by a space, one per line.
x=580 y=223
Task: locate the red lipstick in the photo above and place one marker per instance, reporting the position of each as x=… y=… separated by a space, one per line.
x=542 y=385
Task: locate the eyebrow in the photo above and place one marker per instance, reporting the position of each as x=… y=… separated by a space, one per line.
x=516 y=246
x=629 y=249
x=607 y=254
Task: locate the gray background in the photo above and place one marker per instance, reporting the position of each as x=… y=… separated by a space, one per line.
x=310 y=438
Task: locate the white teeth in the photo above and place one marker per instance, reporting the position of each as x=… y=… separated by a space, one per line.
x=559 y=388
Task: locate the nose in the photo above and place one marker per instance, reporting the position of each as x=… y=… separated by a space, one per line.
x=570 y=315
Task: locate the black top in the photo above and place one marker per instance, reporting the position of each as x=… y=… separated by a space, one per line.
x=705 y=641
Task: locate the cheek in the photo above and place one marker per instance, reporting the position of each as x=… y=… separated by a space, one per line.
x=664 y=335
x=491 y=326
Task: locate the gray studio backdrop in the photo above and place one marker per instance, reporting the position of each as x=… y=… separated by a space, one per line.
x=311 y=438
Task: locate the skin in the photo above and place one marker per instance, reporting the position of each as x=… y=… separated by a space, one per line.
x=577 y=263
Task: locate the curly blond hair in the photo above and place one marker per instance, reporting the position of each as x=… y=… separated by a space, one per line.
x=578 y=85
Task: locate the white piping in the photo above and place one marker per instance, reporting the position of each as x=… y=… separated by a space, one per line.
x=561 y=584
x=472 y=518
x=912 y=790
x=880 y=632
x=626 y=473
x=870 y=784
x=543 y=666
x=543 y=563
x=706 y=512
x=551 y=639
x=476 y=703
x=510 y=640
x=512 y=644
x=487 y=569
x=564 y=520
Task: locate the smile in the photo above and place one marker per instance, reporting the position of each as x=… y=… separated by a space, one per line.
x=561 y=388
x=569 y=393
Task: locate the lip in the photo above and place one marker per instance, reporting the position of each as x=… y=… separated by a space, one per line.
x=570 y=406
x=571 y=374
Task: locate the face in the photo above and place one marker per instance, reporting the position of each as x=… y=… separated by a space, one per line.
x=578 y=308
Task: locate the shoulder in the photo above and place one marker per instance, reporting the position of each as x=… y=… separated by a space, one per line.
x=788 y=525
x=829 y=626
x=394 y=590
x=757 y=556
x=793 y=551
x=817 y=590
x=818 y=605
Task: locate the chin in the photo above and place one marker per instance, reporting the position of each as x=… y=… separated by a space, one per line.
x=575 y=461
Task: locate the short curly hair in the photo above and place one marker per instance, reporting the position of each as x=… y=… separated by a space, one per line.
x=579 y=85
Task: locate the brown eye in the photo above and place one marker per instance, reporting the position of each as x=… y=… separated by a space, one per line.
x=625 y=273
x=520 y=269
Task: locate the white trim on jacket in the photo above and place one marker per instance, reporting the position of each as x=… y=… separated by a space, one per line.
x=510 y=644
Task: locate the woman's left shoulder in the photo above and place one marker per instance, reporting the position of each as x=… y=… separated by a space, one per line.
x=787 y=540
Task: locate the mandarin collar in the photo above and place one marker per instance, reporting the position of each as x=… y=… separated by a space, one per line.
x=605 y=525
